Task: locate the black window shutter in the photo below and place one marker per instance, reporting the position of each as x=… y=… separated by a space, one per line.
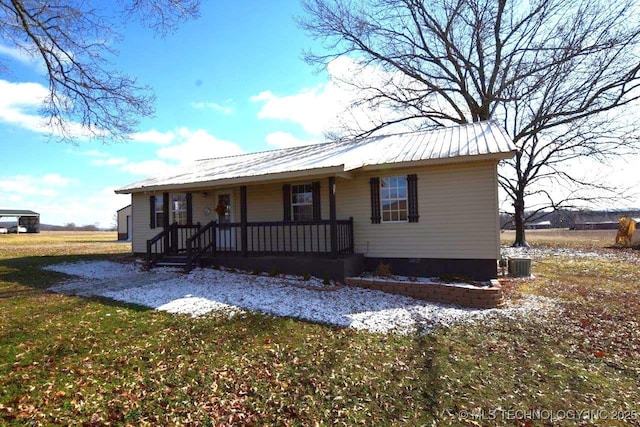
x=286 y=202
x=315 y=193
x=152 y=212
x=165 y=209
x=375 y=200
x=189 y=209
x=412 y=193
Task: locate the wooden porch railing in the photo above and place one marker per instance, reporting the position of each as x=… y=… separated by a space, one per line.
x=171 y=241
x=270 y=238
x=200 y=243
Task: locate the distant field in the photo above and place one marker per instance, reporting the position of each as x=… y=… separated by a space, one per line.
x=57 y=243
x=565 y=237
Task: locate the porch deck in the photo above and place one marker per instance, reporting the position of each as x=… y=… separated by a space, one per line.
x=276 y=243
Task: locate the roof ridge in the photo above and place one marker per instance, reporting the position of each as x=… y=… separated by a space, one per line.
x=276 y=150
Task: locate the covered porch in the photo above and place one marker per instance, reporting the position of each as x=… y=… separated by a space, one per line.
x=291 y=245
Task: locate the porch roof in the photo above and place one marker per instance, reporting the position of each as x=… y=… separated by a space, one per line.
x=470 y=142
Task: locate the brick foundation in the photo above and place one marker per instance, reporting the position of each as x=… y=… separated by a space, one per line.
x=475 y=297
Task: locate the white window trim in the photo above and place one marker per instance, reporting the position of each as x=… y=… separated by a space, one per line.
x=292 y=204
x=406 y=199
x=173 y=210
x=156 y=211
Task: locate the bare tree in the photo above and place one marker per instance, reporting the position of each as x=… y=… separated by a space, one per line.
x=556 y=73
x=74 y=39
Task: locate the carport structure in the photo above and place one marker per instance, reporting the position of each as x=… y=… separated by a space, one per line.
x=28 y=219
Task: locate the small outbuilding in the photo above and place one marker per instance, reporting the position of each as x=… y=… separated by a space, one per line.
x=25 y=218
x=124 y=223
x=540 y=225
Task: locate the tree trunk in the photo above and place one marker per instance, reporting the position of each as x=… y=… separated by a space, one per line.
x=518 y=218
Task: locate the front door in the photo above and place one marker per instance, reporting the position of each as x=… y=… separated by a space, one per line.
x=226 y=235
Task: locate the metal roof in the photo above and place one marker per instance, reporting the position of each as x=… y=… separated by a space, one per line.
x=17 y=212
x=468 y=142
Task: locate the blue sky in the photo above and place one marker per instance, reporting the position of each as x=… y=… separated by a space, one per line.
x=213 y=78
x=232 y=81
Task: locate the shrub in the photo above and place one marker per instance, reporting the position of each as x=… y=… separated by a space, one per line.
x=274 y=272
x=450 y=278
x=383 y=270
x=306 y=277
x=256 y=271
x=326 y=281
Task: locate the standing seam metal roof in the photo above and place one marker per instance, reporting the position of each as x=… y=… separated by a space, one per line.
x=17 y=212
x=450 y=143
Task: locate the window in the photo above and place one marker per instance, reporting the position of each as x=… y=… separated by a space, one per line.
x=302 y=202
x=178 y=208
x=158 y=211
x=393 y=199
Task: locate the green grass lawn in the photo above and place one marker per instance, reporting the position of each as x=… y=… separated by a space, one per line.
x=69 y=360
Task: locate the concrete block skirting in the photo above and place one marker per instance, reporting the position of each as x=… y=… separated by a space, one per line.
x=476 y=269
x=334 y=269
x=475 y=297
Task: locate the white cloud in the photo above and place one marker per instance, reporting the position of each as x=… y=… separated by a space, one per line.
x=111 y=161
x=198 y=144
x=18 y=54
x=187 y=145
x=213 y=106
x=314 y=109
x=182 y=146
x=55 y=180
x=96 y=153
x=19 y=105
x=286 y=140
x=331 y=107
x=14 y=187
x=109 y=203
x=153 y=136
x=18 y=102
x=61 y=200
x=94 y=208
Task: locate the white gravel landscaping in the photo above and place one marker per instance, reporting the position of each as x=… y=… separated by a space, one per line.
x=206 y=290
x=545 y=252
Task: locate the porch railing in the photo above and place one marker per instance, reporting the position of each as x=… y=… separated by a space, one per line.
x=301 y=237
x=171 y=241
x=270 y=238
x=200 y=243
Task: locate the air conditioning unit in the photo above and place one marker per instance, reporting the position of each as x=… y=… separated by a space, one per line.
x=520 y=267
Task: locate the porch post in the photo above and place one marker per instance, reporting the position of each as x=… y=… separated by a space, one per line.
x=332 y=217
x=165 y=221
x=243 y=220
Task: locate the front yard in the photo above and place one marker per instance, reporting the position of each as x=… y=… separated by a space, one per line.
x=75 y=360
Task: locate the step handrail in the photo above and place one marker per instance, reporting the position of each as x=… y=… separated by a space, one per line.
x=164 y=234
x=195 y=252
